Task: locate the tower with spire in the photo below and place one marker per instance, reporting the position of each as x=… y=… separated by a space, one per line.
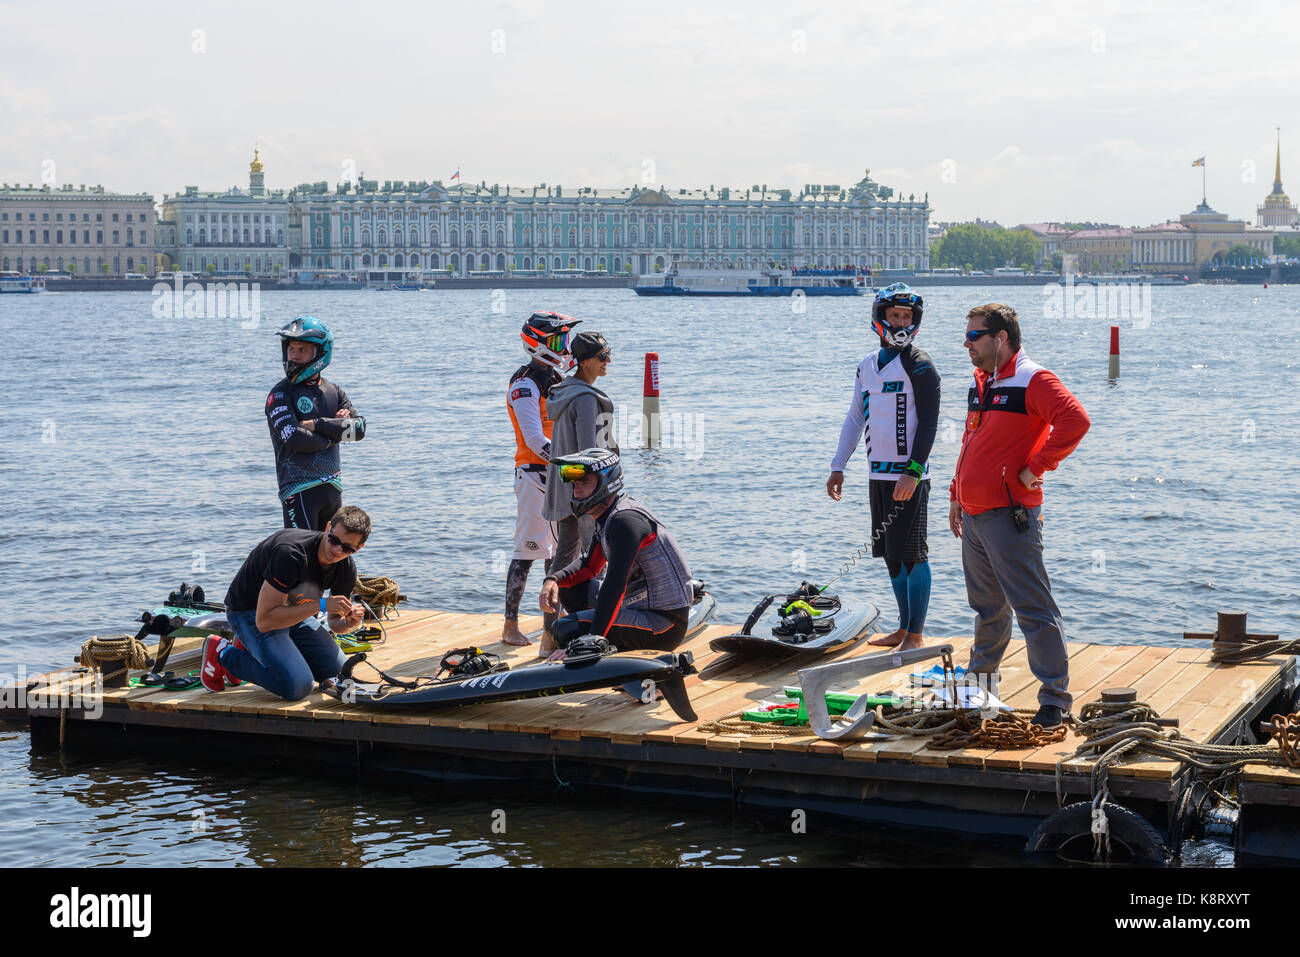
x=1278 y=210
x=256 y=186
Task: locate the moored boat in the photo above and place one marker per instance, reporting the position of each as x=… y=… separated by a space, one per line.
x=698 y=278
x=19 y=282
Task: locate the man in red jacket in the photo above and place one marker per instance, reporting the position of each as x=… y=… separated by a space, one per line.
x=1020 y=423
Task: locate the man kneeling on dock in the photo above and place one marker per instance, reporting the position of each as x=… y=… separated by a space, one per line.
x=645 y=600
x=272 y=605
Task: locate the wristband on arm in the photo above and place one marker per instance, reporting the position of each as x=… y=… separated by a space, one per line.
x=322 y=607
x=914 y=469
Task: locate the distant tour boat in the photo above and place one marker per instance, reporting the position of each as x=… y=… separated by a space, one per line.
x=697 y=278
x=17 y=282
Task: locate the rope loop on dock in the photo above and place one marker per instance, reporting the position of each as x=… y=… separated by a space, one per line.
x=379 y=592
x=128 y=649
x=1251 y=649
x=1114 y=730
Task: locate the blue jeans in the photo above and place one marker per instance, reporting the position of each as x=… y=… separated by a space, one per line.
x=286 y=662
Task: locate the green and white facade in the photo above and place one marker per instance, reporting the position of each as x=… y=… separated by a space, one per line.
x=637 y=230
x=235 y=231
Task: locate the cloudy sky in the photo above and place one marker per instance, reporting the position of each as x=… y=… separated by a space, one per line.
x=1007 y=110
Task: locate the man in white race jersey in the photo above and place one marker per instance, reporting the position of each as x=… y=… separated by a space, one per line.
x=896 y=402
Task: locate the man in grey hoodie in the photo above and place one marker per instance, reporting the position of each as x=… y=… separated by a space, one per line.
x=582 y=417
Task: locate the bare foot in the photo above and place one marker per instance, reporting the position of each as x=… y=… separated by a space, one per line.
x=547 y=647
x=511 y=635
x=913 y=640
x=891 y=640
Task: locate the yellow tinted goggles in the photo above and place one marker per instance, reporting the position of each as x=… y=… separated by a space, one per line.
x=572 y=472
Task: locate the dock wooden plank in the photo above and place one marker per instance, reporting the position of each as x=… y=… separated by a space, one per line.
x=1126 y=675
x=1217 y=700
x=1161 y=687
x=1237 y=686
x=1272 y=774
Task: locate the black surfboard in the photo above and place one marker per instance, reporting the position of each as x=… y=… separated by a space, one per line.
x=804 y=635
x=543 y=680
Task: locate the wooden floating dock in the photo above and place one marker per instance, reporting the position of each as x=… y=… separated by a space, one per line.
x=607 y=739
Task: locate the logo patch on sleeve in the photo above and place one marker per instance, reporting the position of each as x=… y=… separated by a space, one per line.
x=523 y=392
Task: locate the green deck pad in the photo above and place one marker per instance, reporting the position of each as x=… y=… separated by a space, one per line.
x=838 y=702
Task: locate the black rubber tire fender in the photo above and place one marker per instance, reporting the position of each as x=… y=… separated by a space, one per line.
x=1074 y=822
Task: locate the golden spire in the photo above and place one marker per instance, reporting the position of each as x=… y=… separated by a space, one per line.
x=1277 y=169
x=256 y=165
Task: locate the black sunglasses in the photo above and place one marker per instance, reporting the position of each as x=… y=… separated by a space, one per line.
x=339 y=543
x=973 y=335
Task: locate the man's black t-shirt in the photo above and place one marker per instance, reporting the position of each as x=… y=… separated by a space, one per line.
x=287 y=559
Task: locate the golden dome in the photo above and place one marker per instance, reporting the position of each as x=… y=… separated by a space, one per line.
x=256 y=165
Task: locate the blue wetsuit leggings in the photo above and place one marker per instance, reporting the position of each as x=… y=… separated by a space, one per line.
x=911 y=591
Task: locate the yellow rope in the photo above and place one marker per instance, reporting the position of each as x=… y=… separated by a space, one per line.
x=128 y=648
x=378 y=591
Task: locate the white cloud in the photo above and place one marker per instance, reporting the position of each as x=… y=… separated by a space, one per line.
x=1045 y=112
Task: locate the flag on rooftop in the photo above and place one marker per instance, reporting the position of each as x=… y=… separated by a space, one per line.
x=1199 y=162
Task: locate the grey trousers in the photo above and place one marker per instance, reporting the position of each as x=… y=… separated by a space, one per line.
x=1004 y=573
x=572 y=536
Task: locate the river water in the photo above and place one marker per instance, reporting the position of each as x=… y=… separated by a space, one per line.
x=137 y=456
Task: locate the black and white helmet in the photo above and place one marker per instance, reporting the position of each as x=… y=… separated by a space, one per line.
x=602 y=463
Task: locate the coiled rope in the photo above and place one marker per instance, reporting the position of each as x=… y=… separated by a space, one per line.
x=1113 y=730
x=1252 y=649
x=128 y=649
x=379 y=592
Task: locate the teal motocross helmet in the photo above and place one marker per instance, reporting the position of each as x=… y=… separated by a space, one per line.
x=306 y=329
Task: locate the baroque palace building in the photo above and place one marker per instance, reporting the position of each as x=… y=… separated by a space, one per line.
x=468 y=229
x=86 y=231
x=236 y=231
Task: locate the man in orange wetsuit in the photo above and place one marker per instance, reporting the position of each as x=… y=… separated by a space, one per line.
x=546 y=338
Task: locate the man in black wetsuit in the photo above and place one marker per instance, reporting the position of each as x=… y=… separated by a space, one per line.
x=646 y=597
x=896 y=402
x=308 y=417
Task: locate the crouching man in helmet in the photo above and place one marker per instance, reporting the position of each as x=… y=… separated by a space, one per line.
x=308 y=417
x=645 y=600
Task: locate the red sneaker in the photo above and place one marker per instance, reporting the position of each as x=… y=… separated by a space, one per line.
x=211 y=673
x=231 y=680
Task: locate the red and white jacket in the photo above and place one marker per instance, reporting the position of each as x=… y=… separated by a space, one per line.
x=1021 y=416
